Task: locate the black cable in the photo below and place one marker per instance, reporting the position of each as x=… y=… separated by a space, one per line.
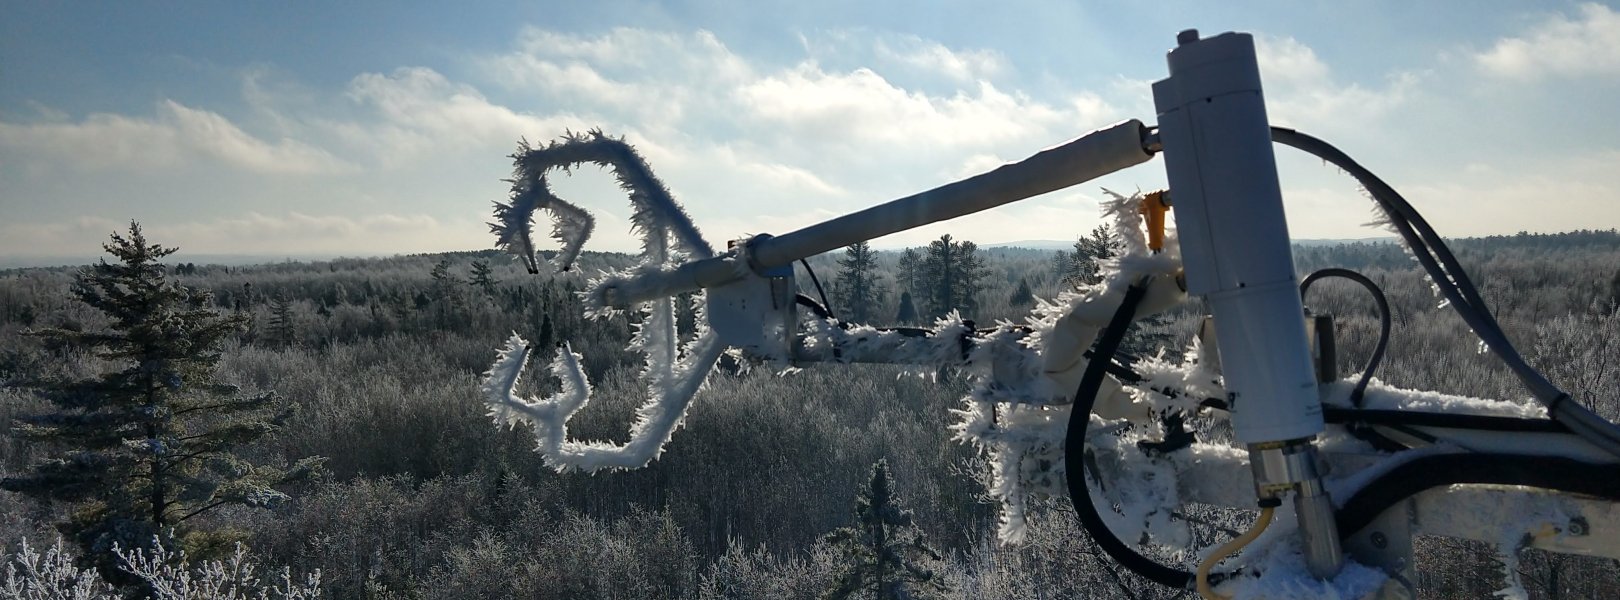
x=1360 y=431
x=1074 y=454
x=1410 y=418
x=1422 y=473
x=1384 y=323
x=820 y=309
x=823 y=293
x=1453 y=283
x=1334 y=415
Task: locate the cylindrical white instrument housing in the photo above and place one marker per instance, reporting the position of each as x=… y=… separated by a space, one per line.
x=1234 y=238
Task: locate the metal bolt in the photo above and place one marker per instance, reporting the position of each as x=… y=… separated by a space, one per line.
x=1187 y=36
x=1579 y=526
x=1379 y=540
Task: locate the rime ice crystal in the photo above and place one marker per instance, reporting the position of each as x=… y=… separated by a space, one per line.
x=673 y=374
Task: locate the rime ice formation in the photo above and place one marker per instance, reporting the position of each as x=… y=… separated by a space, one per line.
x=662 y=223
x=673 y=374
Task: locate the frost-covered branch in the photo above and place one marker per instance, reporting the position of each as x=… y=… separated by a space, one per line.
x=31 y=575
x=169 y=576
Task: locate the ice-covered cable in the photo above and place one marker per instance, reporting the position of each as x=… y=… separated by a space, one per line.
x=1452 y=282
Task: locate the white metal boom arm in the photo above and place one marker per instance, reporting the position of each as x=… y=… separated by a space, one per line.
x=1077 y=161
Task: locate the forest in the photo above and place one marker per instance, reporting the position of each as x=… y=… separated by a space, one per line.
x=350 y=440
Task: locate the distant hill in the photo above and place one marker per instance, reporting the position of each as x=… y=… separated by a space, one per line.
x=1067 y=245
x=233 y=260
x=1033 y=244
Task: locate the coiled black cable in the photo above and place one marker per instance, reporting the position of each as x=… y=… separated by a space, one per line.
x=1362 y=431
x=1074 y=444
x=1384 y=323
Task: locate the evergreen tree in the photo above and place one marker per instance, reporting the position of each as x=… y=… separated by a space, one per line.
x=1022 y=296
x=1614 y=292
x=444 y=283
x=149 y=446
x=951 y=271
x=857 y=290
x=245 y=301
x=444 y=295
x=881 y=552
x=911 y=264
x=908 y=310
x=1082 y=267
x=482 y=277
x=282 y=328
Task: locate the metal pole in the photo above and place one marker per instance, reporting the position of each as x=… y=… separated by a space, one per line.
x=1076 y=161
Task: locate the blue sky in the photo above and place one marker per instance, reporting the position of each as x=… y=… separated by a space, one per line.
x=381 y=128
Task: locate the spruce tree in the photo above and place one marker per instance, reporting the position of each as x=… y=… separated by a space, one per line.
x=282 y=328
x=908 y=310
x=882 y=551
x=1022 y=296
x=150 y=445
x=951 y=271
x=483 y=277
x=911 y=264
x=857 y=290
x=444 y=296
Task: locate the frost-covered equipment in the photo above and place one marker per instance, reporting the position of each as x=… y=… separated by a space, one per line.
x=1539 y=476
x=674 y=372
x=1235 y=246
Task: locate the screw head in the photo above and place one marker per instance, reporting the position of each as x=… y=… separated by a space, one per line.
x=1379 y=540
x=1579 y=526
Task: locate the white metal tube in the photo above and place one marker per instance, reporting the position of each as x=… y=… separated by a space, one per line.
x=1076 y=161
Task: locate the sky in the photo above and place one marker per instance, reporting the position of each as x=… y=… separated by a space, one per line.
x=379 y=128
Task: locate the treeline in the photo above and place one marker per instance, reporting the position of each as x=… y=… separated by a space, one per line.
x=376 y=363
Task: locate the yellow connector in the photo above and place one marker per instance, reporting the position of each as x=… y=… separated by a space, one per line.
x=1154 y=205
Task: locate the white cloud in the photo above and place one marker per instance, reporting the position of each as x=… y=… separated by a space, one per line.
x=636 y=50
x=1302 y=91
x=175 y=135
x=862 y=106
x=649 y=78
x=1587 y=44
x=933 y=57
x=1562 y=194
x=748 y=145
x=255 y=233
x=669 y=83
x=417 y=112
x=729 y=133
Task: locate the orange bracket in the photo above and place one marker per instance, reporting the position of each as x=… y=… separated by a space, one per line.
x=1154 y=205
